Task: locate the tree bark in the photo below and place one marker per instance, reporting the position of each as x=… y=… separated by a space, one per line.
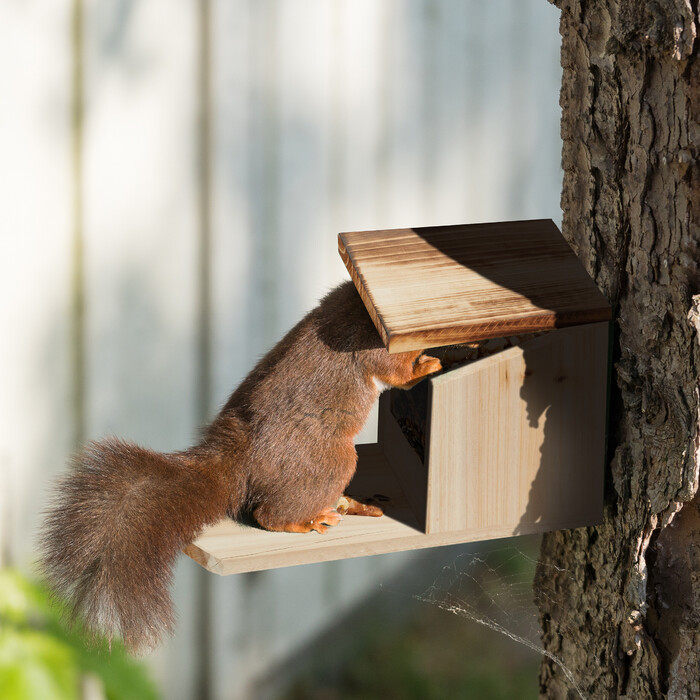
x=624 y=617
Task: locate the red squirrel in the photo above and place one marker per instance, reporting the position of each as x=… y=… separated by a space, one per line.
x=281 y=450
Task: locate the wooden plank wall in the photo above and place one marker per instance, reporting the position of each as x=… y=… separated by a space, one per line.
x=155 y=247
x=38 y=402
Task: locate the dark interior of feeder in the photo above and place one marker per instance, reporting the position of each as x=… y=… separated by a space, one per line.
x=410 y=408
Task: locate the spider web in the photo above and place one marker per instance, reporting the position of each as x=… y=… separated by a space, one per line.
x=494 y=588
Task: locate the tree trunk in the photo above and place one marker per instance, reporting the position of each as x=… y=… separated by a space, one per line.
x=624 y=617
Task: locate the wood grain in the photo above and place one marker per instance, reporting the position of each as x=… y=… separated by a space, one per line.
x=432 y=286
x=517 y=439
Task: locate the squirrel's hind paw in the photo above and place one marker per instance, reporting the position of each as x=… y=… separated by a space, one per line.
x=327 y=518
x=320 y=523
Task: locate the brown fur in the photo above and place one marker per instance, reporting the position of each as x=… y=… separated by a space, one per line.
x=280 y=449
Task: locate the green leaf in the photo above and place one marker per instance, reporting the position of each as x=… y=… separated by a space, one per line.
x=34 y=665
x=41 y=657
x=19 y=599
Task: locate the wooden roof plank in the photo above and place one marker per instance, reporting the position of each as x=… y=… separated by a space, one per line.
x=454 y=284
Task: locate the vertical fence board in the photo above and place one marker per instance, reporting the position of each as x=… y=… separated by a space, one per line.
x=233 y=239
x=305 y=59
x=140 y=220
x=408 y=65
x=141 y=243
x=236 y=283
x=363 y=91
x=36 y=263
x=543 y=77
x=449 y=154
x=494 y=135
x=263 y=172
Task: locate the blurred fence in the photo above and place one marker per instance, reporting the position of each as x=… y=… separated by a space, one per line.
x=173 y=175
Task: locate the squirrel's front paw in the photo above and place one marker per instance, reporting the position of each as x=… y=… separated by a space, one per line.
x=426 y=364
x=350 y=506
x=422 y=367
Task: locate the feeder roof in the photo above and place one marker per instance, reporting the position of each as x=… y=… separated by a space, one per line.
x=443 y=285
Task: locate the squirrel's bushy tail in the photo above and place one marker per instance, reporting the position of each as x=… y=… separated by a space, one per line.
x=117 y=523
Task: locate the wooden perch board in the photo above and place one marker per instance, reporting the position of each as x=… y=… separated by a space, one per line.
x=426 y=287
x=231 y=548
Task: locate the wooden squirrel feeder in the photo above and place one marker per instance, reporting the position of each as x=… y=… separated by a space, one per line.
x=508 y=439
